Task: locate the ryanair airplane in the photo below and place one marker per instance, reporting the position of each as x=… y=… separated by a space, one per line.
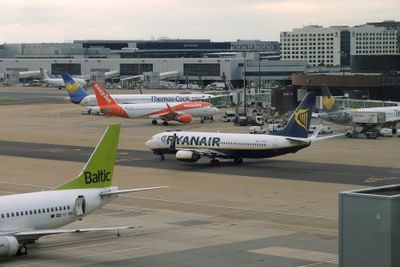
x=29 y=216
x=191 y=146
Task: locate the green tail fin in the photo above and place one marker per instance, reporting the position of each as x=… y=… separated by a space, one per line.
x=98 y=171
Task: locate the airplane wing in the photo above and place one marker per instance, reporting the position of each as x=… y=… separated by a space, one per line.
x=35 y=234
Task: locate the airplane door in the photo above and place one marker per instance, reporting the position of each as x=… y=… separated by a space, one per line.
x=80 y=206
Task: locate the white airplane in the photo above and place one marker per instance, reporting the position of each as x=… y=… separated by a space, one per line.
x=79 y=96
x=332 y=113
x=191 y=146
x=58 y=82
x=26 y=217
x=176 y=111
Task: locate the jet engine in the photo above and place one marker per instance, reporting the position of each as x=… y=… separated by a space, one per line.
x=185 y=118
x=9 y=246
x=114 y=111
x=185 y=155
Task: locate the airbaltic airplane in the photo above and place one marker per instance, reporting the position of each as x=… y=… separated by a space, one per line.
x=78 y=96
x=176 y=111
x=190 y=146
x=332 y=113
x=29 y=216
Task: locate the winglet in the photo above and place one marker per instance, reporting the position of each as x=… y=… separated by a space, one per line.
x=98 y=171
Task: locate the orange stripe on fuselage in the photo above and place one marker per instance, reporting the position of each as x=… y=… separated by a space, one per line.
x=181 y=107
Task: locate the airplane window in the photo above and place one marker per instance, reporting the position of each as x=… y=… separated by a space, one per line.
x=43 y=210
x=8 y=215
x=17 y=214
x=65 y=208
x=12 y=214
x=48 y=210
x=22 y=213
x=56 y=209
x=60 y=209
x=30 y=212
x=52 y=209
x=39 y=211
x=26 y=212
x=68 y=207
x=34 y=211
x=2 y=215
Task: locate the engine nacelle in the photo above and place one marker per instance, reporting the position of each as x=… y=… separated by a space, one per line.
x=9 y=246
x=185 y=118
x=114 y=111
x=185 y=155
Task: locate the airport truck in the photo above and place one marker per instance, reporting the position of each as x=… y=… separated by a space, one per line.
x=366 y=124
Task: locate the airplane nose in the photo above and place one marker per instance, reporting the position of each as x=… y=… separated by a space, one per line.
x=149 y=144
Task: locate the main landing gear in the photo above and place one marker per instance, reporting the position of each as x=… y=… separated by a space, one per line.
x=214 y=162
x=23 y=250
x=155 y=122
x=238 y=161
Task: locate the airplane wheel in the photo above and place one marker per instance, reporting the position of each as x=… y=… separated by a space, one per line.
x=165 y=123
x=23 y=250
x=214 y=162
x=202 y=120
x=238 y=161
x=162 y=157
x=154 y=122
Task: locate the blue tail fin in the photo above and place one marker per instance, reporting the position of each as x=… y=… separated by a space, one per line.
x=300 y=120
x=328 y=101
x=74 y=89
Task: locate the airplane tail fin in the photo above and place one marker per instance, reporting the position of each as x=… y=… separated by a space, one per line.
x=104 y=99
x=328 y=101
x=43 y=74
x=98 y=171
x=74 y=89
x=300 y=120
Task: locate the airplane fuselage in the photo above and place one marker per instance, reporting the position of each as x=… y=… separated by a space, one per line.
x=230 y=145
x=90 y=100
x=49 y=209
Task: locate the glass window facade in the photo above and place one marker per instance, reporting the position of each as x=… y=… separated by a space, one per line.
x=135 y=69
x=201 y=69
x=71 y=68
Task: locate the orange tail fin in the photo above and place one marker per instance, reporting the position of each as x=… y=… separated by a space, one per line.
x=103 y=97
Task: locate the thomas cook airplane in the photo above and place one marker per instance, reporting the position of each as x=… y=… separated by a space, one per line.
x=190 y=146
x=78 y=96
x=176 y=111
x=29 y=216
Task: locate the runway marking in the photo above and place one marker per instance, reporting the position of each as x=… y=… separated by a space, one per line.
x=318 y=263
x=295 y=253
x=235 y=208
x=26 y=185
x=80 y=257
x=77 y=247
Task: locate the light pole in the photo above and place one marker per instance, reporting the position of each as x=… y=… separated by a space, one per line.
x=244 y=84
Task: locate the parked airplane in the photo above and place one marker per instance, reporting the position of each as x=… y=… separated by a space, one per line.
x=175 y=111
x=58 y=82
x=190 y=146
x=332 y=113
x=26 y=217
x=79 y=96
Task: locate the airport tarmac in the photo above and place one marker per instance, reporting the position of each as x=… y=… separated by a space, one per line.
x=272 y=212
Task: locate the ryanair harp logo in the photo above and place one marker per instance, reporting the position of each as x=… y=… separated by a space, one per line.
x=301 y=117
x=328 y=102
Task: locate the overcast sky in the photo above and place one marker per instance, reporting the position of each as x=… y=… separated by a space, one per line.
x=218 y=20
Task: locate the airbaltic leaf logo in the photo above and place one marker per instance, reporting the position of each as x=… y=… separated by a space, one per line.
x=72 y=88
x=301 y=117
x=328 y=102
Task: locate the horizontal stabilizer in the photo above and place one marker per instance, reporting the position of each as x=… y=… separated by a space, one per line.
x=117 y=192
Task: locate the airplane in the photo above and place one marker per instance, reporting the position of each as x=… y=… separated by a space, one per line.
x=191 y=146
x=26 y=217
x=175 y=111
x=332 y=113
x=58 y=82
x=79 y=96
